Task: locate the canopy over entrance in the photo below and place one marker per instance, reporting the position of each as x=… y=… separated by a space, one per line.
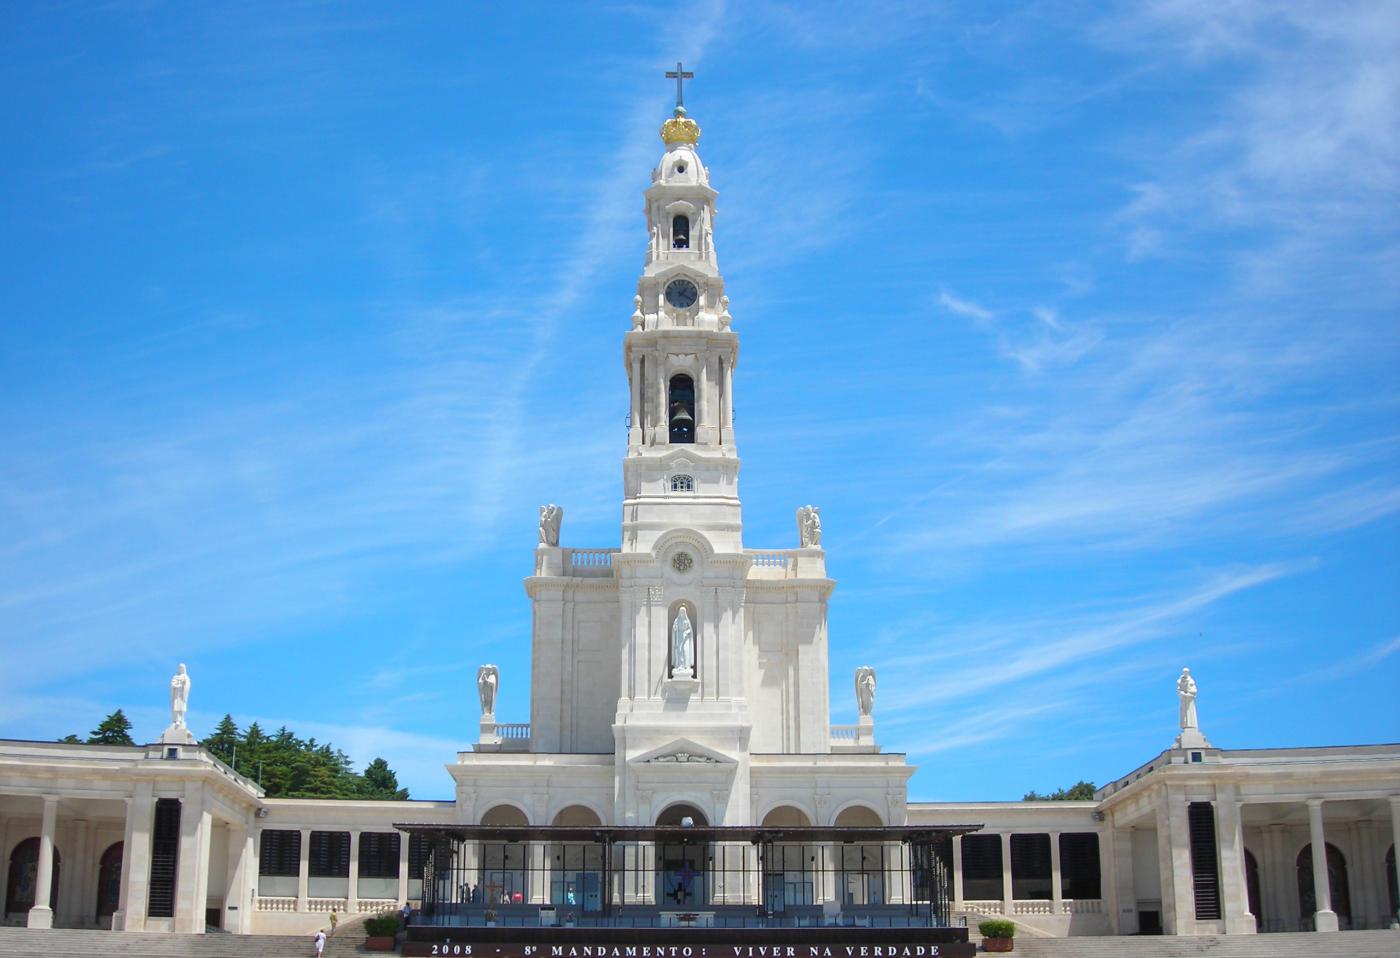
x=672 y=875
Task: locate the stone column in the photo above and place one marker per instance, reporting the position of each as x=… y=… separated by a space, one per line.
x=1234 y=887
x=957 y=874
x=635 y=437
x=1006 y=889
x=1125 y=890
x=192 y=867
x=72 y=889
x=238 y=898
x=352 y=887
x=136 y=860
x=1325 y=919
x=1166 y=863
x=537 y=877
x=404 y=840
x=727 y=405
x=304 y=870
x=1057 y=896
x=41 y=915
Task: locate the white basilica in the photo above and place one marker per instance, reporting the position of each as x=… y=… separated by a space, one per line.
x=680 y=681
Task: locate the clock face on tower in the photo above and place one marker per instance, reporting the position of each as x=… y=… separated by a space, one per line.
x=681 y=293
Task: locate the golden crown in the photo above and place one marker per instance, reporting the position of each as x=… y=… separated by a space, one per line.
x=680 y=129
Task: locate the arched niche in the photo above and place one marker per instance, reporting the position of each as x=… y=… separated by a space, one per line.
x=577 y=816
x=680 y=403
x=790 y=869
x=693 y=614
x=680 y=231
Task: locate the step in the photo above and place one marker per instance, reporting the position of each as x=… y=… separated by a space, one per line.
x=1340 y=944
x=75 y=943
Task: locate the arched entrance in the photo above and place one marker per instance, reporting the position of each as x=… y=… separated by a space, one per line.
x=576 y=869
x=109 y=883
x=789 y=869
x=22 y=879
x=1336 y=880
x=1251 y=884
x=502 y=864
x=861 y=868
x=682 y=866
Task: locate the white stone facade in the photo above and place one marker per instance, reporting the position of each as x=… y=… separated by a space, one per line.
x=1199 y=840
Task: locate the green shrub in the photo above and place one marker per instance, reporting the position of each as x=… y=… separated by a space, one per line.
x=997 y=928
x=382 y=926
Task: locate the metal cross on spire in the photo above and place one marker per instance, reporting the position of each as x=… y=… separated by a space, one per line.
x=680 y=75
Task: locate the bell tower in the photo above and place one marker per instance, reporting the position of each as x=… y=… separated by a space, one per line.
x=682 y=466
x=682 y=721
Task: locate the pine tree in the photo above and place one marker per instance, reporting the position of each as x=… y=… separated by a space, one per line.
x=71 y=739
x=379 y=781
x=222 y=743
x=114 y=730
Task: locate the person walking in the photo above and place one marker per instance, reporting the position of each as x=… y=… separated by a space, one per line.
x=335 y=919
x=320 y=941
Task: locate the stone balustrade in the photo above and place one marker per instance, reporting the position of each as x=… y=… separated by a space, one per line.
x=277 y=904
x=982 y=907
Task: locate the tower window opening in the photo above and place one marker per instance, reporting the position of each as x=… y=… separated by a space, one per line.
x=680 y=232
x=682 y=407
x=682 y=484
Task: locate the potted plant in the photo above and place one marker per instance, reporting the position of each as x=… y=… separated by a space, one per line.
x=380 y=931
x=490 y=917
x=998 y=934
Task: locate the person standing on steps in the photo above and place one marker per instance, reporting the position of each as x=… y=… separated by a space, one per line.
x=335 y=919
x=320 y=942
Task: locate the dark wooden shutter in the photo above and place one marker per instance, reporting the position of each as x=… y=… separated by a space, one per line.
x=280 y=853
x=1079 y=865
x=329 y=855
x=379 y=855
x=981 y=867
x=165 y=858
x=1205 y=866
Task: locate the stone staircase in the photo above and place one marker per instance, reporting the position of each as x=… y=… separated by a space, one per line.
x=65 y=943
x=1339 y=944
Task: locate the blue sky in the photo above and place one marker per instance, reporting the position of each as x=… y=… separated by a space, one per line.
x=1078 y=320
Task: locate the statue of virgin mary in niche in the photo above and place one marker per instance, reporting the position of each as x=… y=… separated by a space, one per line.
x=682 y=646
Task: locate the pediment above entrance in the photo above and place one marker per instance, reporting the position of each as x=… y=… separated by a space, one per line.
x=681 y=752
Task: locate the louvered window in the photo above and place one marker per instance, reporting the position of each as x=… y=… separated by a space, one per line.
x=1205 y=869
x=279 y=853
x=1030 y=867
x=981 y=867
x=165 y=858
x=1079 y=865
x=330 y=855
x=379 y=855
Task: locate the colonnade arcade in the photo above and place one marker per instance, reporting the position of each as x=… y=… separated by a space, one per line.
x=165 y=851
